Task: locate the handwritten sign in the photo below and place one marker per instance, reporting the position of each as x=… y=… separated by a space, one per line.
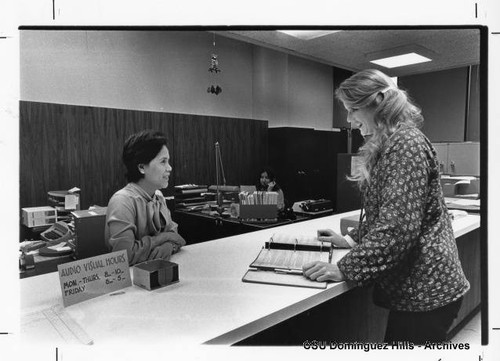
x=92 y=277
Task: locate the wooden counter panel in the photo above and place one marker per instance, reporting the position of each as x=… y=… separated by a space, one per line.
x=469 y=251
x=349 y=317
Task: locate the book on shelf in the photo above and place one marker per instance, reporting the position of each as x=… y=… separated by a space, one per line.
x=281 y=259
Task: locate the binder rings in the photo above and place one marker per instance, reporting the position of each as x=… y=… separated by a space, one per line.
x=281 y=259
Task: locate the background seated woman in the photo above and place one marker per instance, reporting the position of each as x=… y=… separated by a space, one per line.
x=267 y=183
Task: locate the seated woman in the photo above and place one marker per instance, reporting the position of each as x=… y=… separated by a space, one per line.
x=137 y=218
x=268 y=183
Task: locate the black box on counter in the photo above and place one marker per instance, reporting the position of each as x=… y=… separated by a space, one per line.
x=155 y=274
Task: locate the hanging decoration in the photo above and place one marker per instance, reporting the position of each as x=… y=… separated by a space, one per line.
x=214 y=70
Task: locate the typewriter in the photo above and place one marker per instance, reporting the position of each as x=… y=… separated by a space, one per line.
x=316 y=205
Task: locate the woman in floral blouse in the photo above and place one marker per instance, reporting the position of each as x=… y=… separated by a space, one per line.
x=405 y=245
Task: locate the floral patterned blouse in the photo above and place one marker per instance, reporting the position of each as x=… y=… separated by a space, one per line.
x=407 y=247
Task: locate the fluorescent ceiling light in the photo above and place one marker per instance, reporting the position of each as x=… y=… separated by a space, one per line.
x=401 y=60
x=308 y=34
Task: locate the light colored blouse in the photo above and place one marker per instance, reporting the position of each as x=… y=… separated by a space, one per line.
x=138 y=223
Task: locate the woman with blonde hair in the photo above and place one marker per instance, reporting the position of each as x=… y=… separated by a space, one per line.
x=404 y=244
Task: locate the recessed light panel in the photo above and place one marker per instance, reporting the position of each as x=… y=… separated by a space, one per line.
x=308 y=34
x=400 y=60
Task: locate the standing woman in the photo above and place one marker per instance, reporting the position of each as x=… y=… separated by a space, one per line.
x=405 y=245
x=137 y=217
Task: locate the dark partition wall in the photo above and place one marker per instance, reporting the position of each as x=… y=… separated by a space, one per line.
x=473 y=115
x=63 y=146
x=339 y=111
x=442 y=95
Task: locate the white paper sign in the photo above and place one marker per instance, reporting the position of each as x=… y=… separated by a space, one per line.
x=94 y=276
x=70 y=201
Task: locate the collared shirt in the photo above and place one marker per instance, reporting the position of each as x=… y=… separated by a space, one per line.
x=137 y=222
x=407 y=247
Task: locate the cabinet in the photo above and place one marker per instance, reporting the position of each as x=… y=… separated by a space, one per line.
x=305 y=161
x=459 y=158
x=348 y=195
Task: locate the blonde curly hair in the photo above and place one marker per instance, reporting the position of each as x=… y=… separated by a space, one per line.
x=392 y=109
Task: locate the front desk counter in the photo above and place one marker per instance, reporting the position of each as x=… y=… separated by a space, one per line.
x=211 y=305
x=201 y=227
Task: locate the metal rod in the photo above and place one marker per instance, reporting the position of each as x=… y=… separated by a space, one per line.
x=217 y=173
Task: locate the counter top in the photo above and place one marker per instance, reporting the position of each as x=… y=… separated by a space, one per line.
x=209 y=305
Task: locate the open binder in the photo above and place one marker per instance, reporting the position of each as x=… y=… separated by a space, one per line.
x=281 y=259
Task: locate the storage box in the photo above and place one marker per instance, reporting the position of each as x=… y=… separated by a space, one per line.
x=64 y=200
x=89 y=232
x=155 y=274
x=38 y=216
x=348 y=222
x=259 y=211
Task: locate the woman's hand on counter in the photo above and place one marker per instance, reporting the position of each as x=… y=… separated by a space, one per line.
x=162 y=252
x=174 y=237
x=327 y=235
x=322 y=271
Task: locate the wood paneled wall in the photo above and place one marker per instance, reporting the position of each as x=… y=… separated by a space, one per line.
x=63 y=146
x=243 y=145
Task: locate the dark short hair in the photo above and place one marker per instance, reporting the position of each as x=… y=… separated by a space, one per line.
x=141 y=148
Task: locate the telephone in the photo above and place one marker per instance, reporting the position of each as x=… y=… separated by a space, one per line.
x=57 y=233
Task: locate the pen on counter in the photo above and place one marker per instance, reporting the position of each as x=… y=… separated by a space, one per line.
x=289 y=271
x=117 y=293
x=271 y=240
